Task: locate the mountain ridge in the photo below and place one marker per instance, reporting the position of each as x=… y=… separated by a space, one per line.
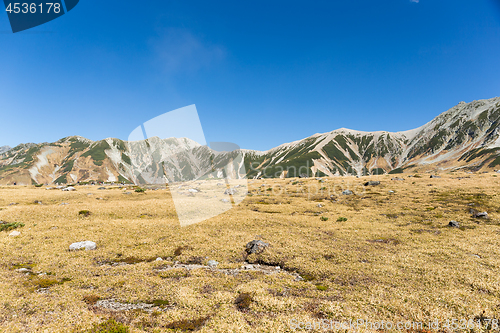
x=467 y=136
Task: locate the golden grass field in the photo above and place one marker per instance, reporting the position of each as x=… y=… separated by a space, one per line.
x=394 y=259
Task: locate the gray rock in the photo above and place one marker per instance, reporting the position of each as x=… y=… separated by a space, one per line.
x=256 y=246
x=434 y=176
x=101 y=188
x=372 y=183
x=397 y=178
x=391 y=191
x=87 y=245
x=319 y=205
x=63 y=204
x=454 y=224
x=303 y=175
x=347 y=192
x=230 y=191
x=483 y=215
x=225 y=200
x=70 y=188
x=212 y=263
x=13 y=204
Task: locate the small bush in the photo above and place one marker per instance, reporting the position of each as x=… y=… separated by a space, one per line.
x=5 y=226
x=140 y=190
x=323 y=218
x=342 y=219
x=91 y=299
x=38 y=185
x=320 y=287
x=109 y=326
x=84 y=213
x=243 y=301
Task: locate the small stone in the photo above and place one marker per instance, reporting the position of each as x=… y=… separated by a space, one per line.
x=101 y=188
x=23 y=270
x=347 y=192
x=372 y=183
x=225 y=200
x=397 y=178
x=454 y=224
x=212 y=263
x=87 y=245
x=319 y=205
x=63 y=204
x=483 y=215
x=193 y=190
x=14 y=233
x=391 y=191
x=159 y=259
x=434 y=176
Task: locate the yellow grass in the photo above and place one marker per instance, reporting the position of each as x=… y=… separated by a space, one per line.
x=394 y=258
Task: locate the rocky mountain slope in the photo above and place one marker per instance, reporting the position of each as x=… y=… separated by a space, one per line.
x=464 y=137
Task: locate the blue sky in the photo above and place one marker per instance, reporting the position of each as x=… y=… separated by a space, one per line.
x=261 y=73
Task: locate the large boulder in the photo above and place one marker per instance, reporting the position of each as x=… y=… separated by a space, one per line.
x=87 y=245
x=256 y=246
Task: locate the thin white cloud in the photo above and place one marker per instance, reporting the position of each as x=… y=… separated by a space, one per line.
x=415 y=1
x=178 y=50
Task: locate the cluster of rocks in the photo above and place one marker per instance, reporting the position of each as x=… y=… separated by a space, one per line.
x=113 y=305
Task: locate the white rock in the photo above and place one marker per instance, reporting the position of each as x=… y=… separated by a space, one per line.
x=14 y=233
x=193 y=190
x=159 y=259
x=87 y=245
x=212 y=263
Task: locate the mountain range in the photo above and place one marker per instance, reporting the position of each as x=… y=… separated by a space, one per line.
x=466 y=137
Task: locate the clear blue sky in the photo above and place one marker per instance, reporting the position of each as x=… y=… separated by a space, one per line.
x=261 y=73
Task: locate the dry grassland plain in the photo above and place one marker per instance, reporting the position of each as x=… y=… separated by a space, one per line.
x=384 y=253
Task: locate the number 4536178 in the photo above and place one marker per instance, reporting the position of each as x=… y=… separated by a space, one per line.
x=33 y=8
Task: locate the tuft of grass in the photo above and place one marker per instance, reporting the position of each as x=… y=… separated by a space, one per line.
x=140 y=190
x=342 y=219
x=109 y=326
x=91 y=299
x=84 y=213
x=6 y=226
x=323 y=218
x=243 y=301
x=188 y=324
x=321 y=287
x=178 y=251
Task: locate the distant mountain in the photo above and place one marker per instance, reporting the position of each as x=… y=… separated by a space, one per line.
x=464 y=137
x=4 y=149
